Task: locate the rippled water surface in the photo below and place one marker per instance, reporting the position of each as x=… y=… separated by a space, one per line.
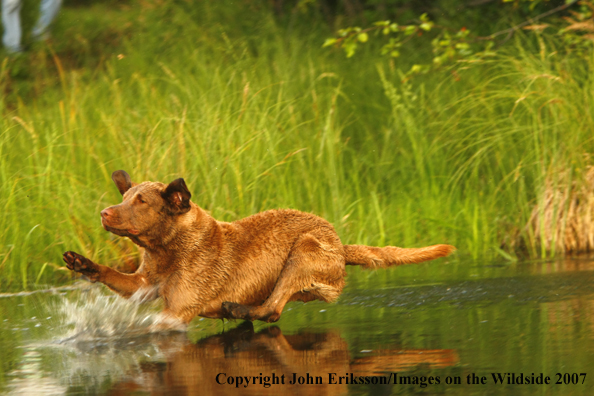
x=427 y=329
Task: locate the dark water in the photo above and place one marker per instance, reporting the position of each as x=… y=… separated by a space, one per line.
x=426 y=329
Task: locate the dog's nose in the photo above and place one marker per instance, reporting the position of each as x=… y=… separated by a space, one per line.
x=105 y=213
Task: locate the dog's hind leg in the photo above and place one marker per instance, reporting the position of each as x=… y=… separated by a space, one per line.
x=314 y=270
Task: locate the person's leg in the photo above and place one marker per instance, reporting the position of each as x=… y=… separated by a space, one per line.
x=11 y=20
x=48 y=10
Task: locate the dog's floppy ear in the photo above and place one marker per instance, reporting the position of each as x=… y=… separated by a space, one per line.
x=122 y=181
x=178 y=196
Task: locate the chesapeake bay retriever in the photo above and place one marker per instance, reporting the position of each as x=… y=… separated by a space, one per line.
x=248 y=269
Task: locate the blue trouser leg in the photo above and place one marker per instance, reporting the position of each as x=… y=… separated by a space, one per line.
x=48 y=11
x=11 y=20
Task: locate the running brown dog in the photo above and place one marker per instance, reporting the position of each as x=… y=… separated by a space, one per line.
x=248 y=269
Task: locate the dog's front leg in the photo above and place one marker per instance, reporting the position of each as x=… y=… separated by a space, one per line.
x=123 y=284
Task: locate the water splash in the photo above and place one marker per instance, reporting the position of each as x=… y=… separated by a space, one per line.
x=99 y=335
x=96 y=316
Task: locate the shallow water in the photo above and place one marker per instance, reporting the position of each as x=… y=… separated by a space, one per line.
x=424 y=325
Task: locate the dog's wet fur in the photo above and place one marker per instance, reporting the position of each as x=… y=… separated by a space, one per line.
x=248 y=269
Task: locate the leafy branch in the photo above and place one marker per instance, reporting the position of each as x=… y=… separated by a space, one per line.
x=449 y=45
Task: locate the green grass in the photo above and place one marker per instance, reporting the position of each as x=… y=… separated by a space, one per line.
x=256 y=115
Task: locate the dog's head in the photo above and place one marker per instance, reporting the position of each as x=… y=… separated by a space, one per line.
x=150 y=211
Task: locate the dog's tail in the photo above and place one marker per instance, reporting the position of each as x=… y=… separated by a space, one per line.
x=370 y=257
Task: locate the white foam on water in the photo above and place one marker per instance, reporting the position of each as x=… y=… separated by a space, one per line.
x=96 y=316
x=97 y=335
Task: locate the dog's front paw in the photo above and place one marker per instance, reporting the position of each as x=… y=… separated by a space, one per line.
x=82 y=265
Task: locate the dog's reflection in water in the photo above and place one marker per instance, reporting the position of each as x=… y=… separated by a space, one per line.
x=213 y=365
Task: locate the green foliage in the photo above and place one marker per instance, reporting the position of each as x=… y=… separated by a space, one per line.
x=460 y=47
x=447 y=46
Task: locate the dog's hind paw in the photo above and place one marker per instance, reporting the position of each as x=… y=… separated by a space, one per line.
x=233 y=310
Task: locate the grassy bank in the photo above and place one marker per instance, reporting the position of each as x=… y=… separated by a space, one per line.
x=254 y=114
